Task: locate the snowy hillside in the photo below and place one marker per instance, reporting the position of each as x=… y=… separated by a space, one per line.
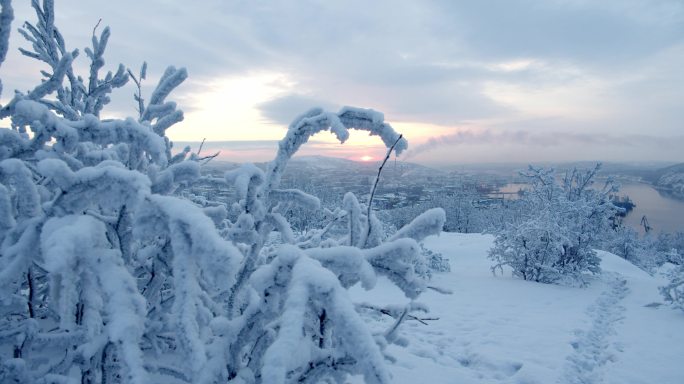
x=673 y=182
x=498 y=329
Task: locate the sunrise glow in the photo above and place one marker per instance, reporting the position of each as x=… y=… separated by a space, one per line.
x=366 y=158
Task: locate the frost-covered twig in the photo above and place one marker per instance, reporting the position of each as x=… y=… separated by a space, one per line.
x=47 y=45
x=165 y=113
x=441 y=290
x=391 y=312
x=199 y=150
x=137 y=96
x=6 y=17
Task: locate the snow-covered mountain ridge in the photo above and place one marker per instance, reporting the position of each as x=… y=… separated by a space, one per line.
x=499 y=329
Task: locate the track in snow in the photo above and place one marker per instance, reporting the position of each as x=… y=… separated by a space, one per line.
x=593 y=347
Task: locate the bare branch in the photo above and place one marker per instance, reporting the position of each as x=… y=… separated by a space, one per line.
x=375 y=186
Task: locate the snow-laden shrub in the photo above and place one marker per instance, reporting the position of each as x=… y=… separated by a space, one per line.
x=107 y=275
x=433 y=262
x=646 y=252
x=552 y=242
x=673 y=291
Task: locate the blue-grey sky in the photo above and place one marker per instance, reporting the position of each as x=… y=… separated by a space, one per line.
x=465 y=81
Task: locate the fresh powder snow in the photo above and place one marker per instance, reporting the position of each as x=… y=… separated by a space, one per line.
x=501 y=329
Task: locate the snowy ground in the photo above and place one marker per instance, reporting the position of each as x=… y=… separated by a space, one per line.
x=505 y=330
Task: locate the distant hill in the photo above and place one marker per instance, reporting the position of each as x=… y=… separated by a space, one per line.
x=323 y=162
x=671 y=179
x=677 y=168
x=330 y=166
x=329 y=163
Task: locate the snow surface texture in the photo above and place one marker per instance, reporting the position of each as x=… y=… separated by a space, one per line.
x=500 y=329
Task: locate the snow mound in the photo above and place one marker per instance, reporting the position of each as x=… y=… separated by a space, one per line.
x=613 y=263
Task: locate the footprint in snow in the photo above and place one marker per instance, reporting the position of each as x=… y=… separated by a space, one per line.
x=592 y=348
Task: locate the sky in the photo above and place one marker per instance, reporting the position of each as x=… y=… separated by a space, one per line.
x=464 y=81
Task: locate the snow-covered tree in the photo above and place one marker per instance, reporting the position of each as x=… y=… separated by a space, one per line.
x=108 y=275
x=552 y=242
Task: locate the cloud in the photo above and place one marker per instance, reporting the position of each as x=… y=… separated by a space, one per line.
x=535 y=139
x=284 y=109
x=605 y=33
x=614 y=64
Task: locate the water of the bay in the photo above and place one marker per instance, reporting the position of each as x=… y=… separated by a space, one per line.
x=663 y=212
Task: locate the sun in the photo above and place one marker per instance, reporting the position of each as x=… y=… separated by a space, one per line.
x=366 y=158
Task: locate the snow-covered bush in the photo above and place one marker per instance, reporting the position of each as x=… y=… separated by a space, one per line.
x=647 y=252
x=107 y=275
x=673 y=292
x=552 y=242
x=434 y=262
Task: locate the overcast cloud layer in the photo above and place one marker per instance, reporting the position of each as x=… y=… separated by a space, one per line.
x=597 y=80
